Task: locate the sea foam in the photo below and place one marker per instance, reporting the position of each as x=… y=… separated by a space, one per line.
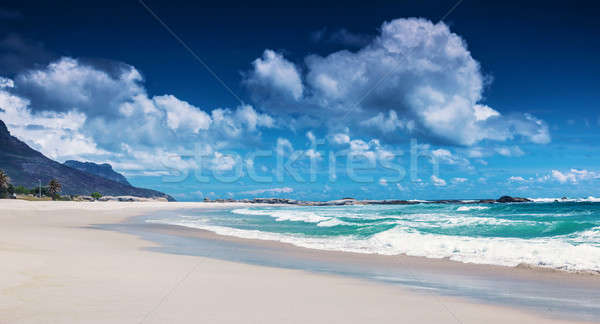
x=467 y=208
x=559 y=236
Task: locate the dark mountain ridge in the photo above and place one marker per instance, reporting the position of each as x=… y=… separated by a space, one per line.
x=26 y=167
x=104 y=170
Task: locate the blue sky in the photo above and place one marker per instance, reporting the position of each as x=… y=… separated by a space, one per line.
x=495 y=99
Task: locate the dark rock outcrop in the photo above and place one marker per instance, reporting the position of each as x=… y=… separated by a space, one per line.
x=509 y=199
x=26 y=166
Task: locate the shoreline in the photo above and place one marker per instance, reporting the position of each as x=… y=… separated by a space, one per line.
x=408 y=272
x=57 y=257
x=524 y=271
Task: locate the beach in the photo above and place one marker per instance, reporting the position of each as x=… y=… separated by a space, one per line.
x=62 y=264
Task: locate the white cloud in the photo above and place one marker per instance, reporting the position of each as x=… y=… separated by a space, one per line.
x=311 y=137
x=358 y=145
x=222 y=162
x=510 y=151
x=459 y=180
x=247 y=115
x=371 y=151
x=340 y=138
x=476 y=152
x=270 y=190
x=274 y=76
x=431 y=85
x=483 y=112
x=383 y=182
x=447 y=157
x=56 y=134
x=284 y=146
x=67 y=84
x=182 y=115
x=71 y=109
x=6 y=83
x=516 y=179
x=444 y=155
x=389 y=123
x=438 y=181
x=312 y=154
x=574 y=175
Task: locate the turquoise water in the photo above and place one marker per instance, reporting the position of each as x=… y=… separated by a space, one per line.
x=563 y=235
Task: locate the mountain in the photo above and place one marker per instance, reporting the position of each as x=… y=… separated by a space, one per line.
x=26 y=166
x=104 y=170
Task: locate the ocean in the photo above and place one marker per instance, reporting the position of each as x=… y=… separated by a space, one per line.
x=560 y=235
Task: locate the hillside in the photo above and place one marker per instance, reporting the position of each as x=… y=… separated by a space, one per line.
x=104 y=170
x=25 y=166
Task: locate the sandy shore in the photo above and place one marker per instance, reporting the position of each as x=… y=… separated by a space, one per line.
x=57 y=268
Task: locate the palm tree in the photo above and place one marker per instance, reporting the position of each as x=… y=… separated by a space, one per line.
x=4 y=184
x=54 y=187
x=4 y=180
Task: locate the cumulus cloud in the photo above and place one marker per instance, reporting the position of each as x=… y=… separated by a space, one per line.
x=372 y=151
x=252 y=119
x=57 y=134
x=340 y=138
x=574 y=175
x=182 y=115
x=274 y=78
x=68 y=84
x=415 y=77
x=222 y=162
x=72 y=109
x=6 y=83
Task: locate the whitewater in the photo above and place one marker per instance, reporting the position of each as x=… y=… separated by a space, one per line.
x=548 y=233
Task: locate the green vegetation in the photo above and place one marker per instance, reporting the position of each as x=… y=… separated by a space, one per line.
x=52 y=190
x=20 y=190
x=96 y=195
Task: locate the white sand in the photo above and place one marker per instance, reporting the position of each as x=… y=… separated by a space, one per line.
x=55 y=269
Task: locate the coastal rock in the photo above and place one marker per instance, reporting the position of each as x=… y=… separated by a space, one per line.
x=509 y=199
x=352 y=201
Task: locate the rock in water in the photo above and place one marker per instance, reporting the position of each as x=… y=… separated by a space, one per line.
x=509 y=199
